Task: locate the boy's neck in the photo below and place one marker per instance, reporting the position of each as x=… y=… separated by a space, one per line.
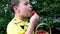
x=20 y=17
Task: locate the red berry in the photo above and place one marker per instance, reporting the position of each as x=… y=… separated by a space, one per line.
x=33 y=13
x=41 y=32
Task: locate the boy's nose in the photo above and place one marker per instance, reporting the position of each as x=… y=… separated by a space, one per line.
x=30 y=6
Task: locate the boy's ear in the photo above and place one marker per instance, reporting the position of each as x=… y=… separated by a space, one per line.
x=15 y=8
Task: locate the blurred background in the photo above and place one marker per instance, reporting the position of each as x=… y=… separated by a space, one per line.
x=48 y=10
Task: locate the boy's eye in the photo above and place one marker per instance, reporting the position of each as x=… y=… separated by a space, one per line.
x=26 y=3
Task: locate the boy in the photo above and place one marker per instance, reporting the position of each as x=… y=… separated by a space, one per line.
x=18 y=25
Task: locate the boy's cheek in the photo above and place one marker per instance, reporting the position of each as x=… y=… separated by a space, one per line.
x=25 y=10
x=27 y=14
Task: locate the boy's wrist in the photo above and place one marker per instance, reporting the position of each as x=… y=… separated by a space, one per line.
x=31 y=23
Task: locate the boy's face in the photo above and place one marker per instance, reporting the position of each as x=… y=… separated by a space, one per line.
x=25 y=8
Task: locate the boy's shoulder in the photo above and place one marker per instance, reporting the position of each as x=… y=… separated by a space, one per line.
x=18 y=22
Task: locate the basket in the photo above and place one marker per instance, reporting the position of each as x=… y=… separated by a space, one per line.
x=37 y=32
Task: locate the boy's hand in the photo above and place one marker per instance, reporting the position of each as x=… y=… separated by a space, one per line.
x=34 y=19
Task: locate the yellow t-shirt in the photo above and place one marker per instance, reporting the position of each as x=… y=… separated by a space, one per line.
x=17 y=26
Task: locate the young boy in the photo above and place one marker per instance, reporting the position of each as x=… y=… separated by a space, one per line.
x=18 y=24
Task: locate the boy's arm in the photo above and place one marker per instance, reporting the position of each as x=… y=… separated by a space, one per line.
x=30 y=29
x=34 y=19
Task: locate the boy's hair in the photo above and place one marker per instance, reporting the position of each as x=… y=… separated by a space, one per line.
x=13 y=3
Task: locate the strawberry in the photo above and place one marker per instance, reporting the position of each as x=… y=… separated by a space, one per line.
x=33 y=13
x=41 y=32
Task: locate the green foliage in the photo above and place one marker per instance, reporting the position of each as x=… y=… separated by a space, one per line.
x=48 y=10
x=5 y=16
